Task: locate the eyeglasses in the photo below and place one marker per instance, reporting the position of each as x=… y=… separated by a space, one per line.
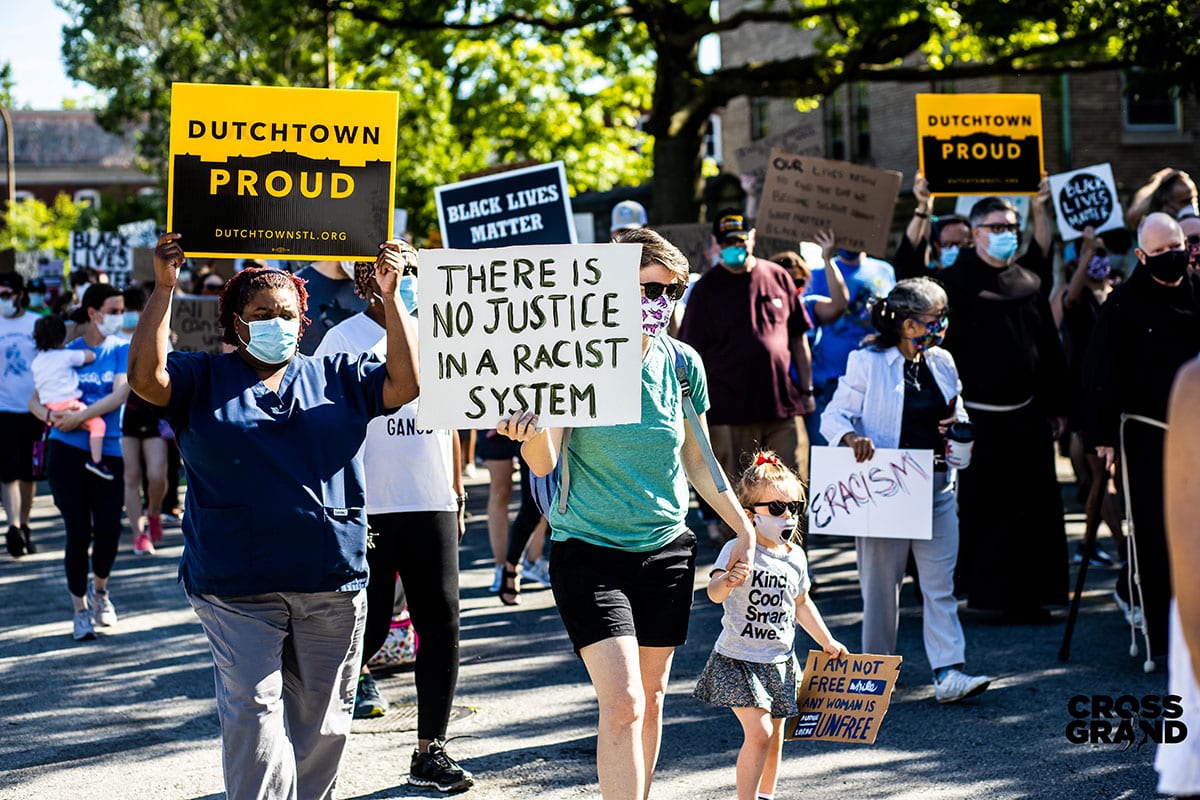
x=409 y=269
x=777 y=507
x=1000 y=227
x=654 y=290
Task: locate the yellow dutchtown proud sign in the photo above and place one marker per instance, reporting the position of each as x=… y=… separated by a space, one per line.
x=267 y=172
x=980 y=143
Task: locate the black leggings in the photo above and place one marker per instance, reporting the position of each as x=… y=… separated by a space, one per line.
x=526 y=521
x=423 y=547
x=91 y=511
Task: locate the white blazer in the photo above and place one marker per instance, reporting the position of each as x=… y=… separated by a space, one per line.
x=869 y=400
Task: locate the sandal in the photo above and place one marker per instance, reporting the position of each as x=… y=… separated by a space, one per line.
x=510 y=587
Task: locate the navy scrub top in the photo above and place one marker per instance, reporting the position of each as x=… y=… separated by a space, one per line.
x=275 y=480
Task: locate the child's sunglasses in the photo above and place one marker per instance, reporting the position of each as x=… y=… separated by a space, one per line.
x=653 y=290
x=777 y=507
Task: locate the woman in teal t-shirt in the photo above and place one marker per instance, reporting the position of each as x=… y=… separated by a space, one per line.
x=623 y=562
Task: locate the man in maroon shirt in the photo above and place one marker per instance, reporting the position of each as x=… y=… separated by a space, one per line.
x=746 y=320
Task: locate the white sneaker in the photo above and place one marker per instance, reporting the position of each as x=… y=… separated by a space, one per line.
x=1133 y=615
x=537 y=571
x=103 y=612
x=83 y=626
x=957 y=685
x=497 y=579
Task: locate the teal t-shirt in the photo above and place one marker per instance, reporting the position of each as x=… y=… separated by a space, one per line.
x=628 y=488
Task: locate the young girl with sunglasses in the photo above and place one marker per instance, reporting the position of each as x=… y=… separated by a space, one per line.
x=902 y=390
x=753 y=667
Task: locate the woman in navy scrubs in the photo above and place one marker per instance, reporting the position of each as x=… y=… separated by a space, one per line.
x=275 y=533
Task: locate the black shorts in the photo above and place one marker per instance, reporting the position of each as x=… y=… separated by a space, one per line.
x=496 y=447
x=18 y=431
x=602 y=592
x=141 y=423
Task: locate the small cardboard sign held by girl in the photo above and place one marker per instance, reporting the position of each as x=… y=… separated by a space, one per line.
x=843 y=699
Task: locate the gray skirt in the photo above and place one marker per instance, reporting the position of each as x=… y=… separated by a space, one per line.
x=730 y=683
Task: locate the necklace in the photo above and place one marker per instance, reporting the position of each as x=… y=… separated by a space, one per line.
x=912 y=374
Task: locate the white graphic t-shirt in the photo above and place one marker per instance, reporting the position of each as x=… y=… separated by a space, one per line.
x=16 y=361
x=406 y=468
x=759 y=623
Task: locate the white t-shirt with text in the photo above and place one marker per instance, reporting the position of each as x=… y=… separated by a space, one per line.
x=16 y=361
x=406 y=468
x=759 y=620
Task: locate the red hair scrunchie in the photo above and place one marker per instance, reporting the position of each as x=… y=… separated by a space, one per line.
x=765 y=459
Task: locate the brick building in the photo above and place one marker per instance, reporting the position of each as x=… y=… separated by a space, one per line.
x=1085 y=118
x=68 y=151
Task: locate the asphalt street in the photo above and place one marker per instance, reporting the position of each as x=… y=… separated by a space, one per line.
x=131 y=715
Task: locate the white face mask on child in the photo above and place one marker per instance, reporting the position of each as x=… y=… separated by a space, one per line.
x=778 y=529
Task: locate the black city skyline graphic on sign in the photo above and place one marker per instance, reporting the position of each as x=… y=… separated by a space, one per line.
x=211 y=223
x=953 y=175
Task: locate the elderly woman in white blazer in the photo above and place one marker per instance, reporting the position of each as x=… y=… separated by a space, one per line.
x=902 y=390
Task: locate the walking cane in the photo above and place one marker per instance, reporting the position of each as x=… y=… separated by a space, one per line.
x=1089 y=542
x=1135 y=578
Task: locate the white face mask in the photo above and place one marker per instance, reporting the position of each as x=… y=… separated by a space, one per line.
x=8 y=307
x=782 y=530
x=111 y=323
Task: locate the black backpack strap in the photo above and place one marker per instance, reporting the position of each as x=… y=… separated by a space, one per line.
x=689 y=411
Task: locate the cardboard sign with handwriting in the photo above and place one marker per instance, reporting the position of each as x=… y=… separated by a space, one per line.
x=196 y=326
x=843 y=699
x=803 y=195
x=803 y=140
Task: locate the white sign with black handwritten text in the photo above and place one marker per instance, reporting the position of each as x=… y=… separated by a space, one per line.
x=555 y=329
x=888 y=497
x=1086 y=197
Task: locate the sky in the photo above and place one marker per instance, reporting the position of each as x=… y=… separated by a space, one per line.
x=31 y=40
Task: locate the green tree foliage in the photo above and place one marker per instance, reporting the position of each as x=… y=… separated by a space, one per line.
x=33 y=225
x=6 y=84
x=467 y=103
x=489 y=82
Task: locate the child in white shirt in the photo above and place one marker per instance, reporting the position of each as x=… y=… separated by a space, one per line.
x=753 y=667
x=57 y=383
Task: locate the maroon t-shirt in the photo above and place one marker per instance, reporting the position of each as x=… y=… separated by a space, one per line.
x=743 y=324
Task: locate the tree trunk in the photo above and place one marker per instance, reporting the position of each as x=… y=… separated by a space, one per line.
x=677 y=122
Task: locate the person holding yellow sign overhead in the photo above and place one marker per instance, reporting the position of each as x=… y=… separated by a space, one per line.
x=275 y=534
x=1013 y=548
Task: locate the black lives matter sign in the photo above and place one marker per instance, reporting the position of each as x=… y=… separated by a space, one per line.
x=517 y=207
x=1086 y=197
x=268 y=172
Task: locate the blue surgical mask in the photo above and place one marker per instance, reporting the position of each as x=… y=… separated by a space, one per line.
x=408 y=292
x=36 y=299
x=949 y=256
x=272 y=341
x=734 y=255
x=131 y=320
x=1002 y=246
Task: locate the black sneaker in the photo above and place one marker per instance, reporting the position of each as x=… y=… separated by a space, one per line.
x=438 y=770
x=368 y=703
x=99 y=470
x=15 y=542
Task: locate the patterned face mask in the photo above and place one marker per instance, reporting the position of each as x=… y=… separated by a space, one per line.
x=656 y=314
x=1098 y=268
x=934 y=333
